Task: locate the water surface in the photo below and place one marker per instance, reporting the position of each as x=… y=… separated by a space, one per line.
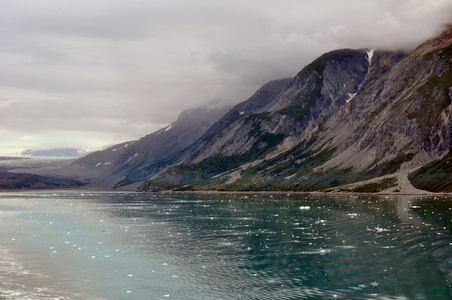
x=79 y=245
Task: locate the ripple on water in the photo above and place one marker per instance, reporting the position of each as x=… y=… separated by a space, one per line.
x=261 y=247
x=17 y=282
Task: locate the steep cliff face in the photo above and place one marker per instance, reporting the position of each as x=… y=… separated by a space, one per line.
x=350 y=115
x=405 y=111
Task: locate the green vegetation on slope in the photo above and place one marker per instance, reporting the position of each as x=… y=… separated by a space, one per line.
x=389 y=167
x=435 y=176
x=376 y=187
x=295 y=170
x=183 y=175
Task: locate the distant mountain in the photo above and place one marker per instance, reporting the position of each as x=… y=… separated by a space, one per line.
x=57 y=152
x=9 y=180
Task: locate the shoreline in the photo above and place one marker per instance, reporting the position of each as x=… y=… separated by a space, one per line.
x=314 y=193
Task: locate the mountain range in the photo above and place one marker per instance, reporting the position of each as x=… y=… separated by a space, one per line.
x=56 y=152
x=352 y=115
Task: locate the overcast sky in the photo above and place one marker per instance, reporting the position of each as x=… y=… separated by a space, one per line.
x=91 y=73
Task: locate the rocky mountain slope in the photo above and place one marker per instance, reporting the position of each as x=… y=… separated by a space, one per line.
x=350 y=115
x=137 y=160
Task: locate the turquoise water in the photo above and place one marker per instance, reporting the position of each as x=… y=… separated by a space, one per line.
x=85 y=245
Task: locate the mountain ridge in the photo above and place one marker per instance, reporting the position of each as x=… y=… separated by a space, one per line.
x=349 y=116
x=373 y=123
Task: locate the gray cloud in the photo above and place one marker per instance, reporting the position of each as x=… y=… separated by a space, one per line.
x=107 y=71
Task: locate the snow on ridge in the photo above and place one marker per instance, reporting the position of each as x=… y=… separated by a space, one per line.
x=351 y=96
x=132 y=157
x=370 y=54
x=169 y=127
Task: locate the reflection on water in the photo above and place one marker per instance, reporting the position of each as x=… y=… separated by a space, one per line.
x=225 y=246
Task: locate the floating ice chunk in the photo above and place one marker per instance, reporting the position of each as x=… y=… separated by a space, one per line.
x=305 y=207
x=379 y=229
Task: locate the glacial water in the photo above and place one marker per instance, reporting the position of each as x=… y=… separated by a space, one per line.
x=101 y=245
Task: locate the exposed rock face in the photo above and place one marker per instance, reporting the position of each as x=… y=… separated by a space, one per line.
x=293 y=108
x=406 y=110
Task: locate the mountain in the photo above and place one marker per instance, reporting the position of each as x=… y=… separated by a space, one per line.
x=350 y=115
x=57 y=152
x=352 y=120
x=9 y=180
x=137 y=160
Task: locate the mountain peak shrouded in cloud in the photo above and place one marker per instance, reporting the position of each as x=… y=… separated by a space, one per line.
x=88 y=74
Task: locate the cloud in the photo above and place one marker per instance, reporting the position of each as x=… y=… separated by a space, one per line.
x=107 y=71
